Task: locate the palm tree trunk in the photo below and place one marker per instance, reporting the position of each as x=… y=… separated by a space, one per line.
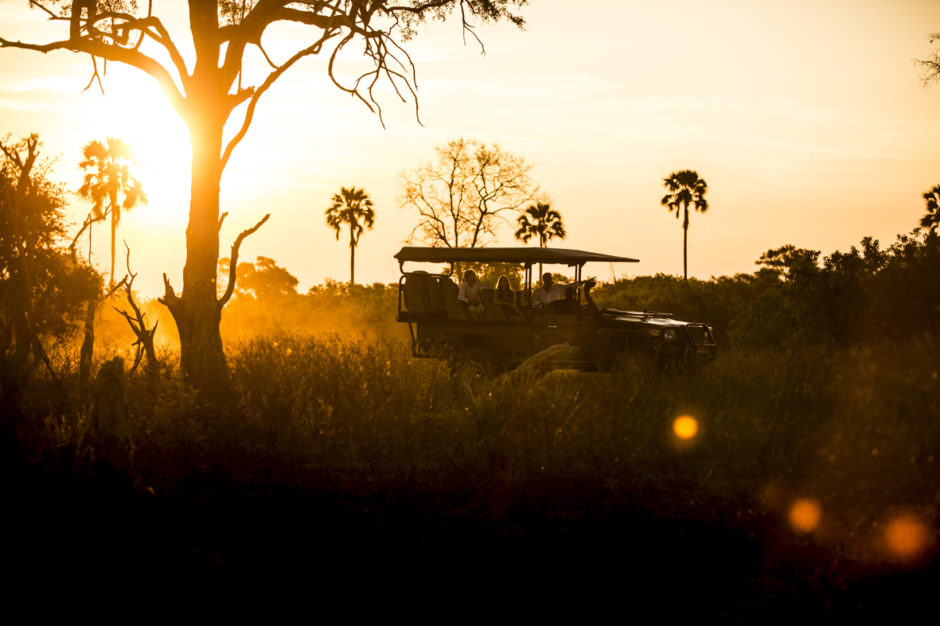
x=352 y=255
x=352 y=265
x=685 y=245
x=541 y=245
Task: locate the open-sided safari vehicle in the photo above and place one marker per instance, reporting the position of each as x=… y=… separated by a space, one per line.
x=590 y=338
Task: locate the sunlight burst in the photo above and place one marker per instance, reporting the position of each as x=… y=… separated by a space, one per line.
x=140 y=115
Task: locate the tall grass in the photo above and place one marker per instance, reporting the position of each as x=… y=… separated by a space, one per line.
x=854 y=432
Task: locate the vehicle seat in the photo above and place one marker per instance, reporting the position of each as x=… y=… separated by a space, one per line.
x=416 y=293
x=452 y=305
x=435 y=297
x=494 y=312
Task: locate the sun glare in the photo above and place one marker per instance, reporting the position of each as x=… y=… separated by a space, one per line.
x=145 y=120
x=685 y=427
x=804 y=515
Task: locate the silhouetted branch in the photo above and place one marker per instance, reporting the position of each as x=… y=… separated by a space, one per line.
x=105 y=35
x=169 y=297
x=89 y=220
x=254 y=94
x=233 y=264
x=144 y=335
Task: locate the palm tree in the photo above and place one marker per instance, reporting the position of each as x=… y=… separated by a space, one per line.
x=109 y=184
x=349 y=207
x=686 y=188
x=932 y=219
x=542 y=221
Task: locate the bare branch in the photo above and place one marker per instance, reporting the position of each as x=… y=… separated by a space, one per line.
x=230 y=288
x=138 y=324
x=257 y=92
x=95 y=46
x=89 y=220
x=169 y=297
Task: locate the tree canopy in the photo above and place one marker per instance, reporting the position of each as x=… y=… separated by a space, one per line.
x=42 y=284
x=931 y=219
x=463 y=195
x=109 y=184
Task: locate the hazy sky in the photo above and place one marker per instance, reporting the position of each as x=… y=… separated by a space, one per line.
x=807 y=118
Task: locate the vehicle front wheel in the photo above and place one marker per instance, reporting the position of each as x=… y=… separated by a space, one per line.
x=631 y=360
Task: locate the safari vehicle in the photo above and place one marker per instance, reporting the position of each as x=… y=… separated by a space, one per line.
x=585 y=336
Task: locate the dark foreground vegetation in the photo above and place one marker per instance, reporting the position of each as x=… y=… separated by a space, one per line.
x=353 y=457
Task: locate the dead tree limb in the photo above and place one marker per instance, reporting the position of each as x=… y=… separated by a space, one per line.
x=233 y=264
x=144 y=343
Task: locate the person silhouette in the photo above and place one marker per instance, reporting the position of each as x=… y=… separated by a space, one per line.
x=469 y=294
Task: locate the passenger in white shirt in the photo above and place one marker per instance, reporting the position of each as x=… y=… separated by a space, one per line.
x=469 y=294
x=548 y=292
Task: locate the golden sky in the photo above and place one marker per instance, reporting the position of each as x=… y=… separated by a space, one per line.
x=807 y=118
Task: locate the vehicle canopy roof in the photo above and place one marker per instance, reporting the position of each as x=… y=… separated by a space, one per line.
x=518 y=254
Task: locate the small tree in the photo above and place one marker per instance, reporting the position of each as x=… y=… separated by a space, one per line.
x=542 y=221
x=931 y=220
x=462 y=196
x=109 y=185
x=41 y=284
x=353 y=208
x=686 y=189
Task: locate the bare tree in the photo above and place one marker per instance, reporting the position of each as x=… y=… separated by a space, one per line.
x=215 y=88
x=463 y=195
x=930 y=67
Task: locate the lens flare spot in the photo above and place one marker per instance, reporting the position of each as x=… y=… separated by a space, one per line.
x=685 y=427
x=805 y=514
x=906 y=536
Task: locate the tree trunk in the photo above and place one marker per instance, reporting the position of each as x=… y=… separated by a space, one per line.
x=197 y=311
x=352 y=258
x=685 y=245
x=87 y=353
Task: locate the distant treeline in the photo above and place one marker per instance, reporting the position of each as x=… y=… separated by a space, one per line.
x=794 y=298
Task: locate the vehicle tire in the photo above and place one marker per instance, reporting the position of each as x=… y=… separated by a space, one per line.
x=631 y=359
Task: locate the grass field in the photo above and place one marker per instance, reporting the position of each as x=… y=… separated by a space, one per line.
x=781 y=482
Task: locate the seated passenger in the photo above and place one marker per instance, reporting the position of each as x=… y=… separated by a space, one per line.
x=469 y=294
x=505 y=298
x=547 y=292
